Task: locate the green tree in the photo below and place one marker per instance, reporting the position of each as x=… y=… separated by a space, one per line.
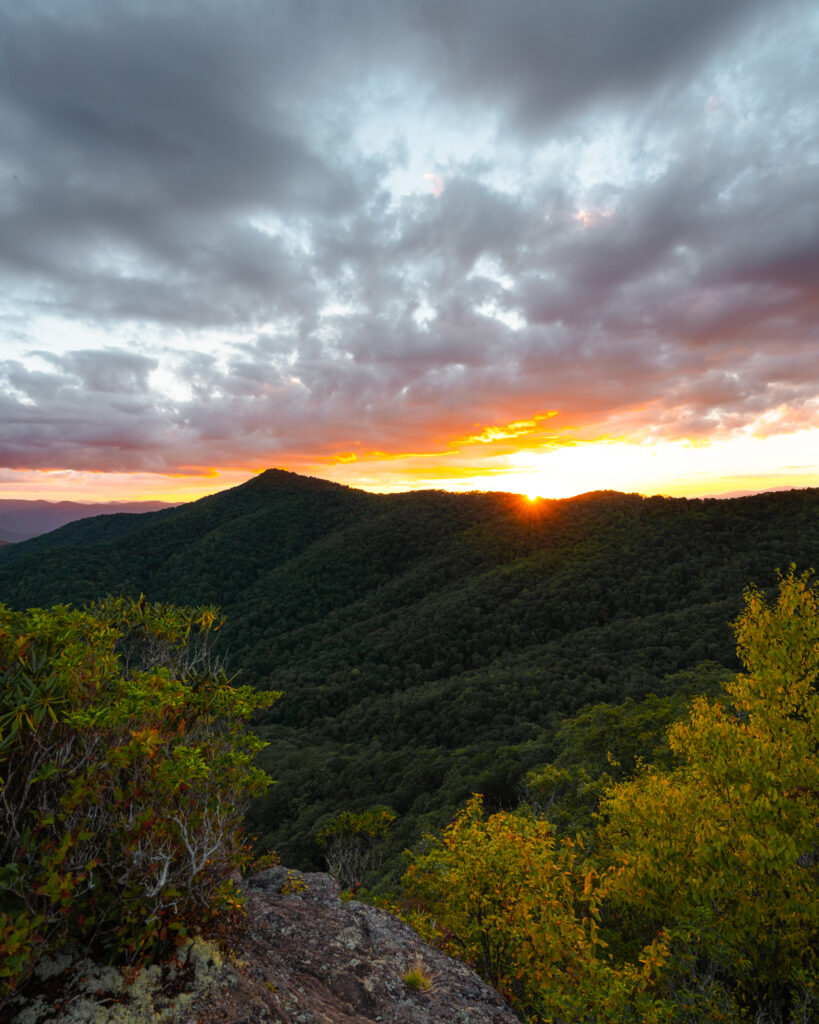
x=722 y=850
x=523 y=908
x=354 y=843
x=699 y=903
x=125 y=766
x=603 y=744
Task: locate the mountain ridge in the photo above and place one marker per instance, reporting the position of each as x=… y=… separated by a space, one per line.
x=22 y=519
x=430 y=643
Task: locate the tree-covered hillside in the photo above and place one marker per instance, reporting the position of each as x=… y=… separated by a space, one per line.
x=430 y=644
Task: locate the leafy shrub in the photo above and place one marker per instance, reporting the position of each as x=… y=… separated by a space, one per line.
x=699 y=904
x=354 y=843
x=523 y=908
x=723 y=850
x=125 y=766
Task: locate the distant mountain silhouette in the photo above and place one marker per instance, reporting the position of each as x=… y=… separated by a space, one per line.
x=22 y=519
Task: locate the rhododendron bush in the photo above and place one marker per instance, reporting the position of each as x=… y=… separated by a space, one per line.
x=125 y=768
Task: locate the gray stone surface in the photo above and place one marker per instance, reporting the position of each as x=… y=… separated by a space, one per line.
x=313 y=959
x=303 y=956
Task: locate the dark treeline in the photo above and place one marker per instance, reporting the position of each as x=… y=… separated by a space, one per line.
x=431 y=644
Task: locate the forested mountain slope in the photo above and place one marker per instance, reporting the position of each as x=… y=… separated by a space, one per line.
x=429 y=644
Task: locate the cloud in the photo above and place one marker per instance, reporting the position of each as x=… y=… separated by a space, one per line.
x=107 y=372
x=536 y=66
x=212 y=255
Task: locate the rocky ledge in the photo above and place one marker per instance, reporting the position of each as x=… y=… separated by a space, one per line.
x=304 y=957
x=313 y=959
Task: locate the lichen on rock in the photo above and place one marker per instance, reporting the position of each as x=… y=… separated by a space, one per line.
x=89 y=993
x=304 y=956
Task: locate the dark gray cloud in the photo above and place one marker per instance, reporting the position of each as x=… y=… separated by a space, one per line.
x=112 y=372
x=543 y=65
x=233 y=197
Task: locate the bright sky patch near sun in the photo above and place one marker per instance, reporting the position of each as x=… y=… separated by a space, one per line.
x=449 y=243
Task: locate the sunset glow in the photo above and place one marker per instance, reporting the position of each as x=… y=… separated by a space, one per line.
x=557 y=251
x=741 y=465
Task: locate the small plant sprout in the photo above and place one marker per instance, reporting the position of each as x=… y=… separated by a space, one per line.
x=416 y=978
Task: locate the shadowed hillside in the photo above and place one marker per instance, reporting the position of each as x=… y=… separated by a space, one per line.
x=429 y=644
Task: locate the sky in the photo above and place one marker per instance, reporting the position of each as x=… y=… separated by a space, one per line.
x=542 y=247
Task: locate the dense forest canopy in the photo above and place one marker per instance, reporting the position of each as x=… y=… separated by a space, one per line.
x=677 y=889
x=691 y=895
x=431 y=644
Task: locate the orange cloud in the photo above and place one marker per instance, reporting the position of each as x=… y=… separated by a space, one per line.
x=519 y=428
x=343 y=458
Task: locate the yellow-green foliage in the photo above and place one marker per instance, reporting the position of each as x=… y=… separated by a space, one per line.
x=524 y=909
x=416 y=978
x=724 y=849
x=353 y=843
x=125 y=766
x=704 y=877
x=295 y=883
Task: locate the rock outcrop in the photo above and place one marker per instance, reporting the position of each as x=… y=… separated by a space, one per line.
x=303 y=956
x=313 y=959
